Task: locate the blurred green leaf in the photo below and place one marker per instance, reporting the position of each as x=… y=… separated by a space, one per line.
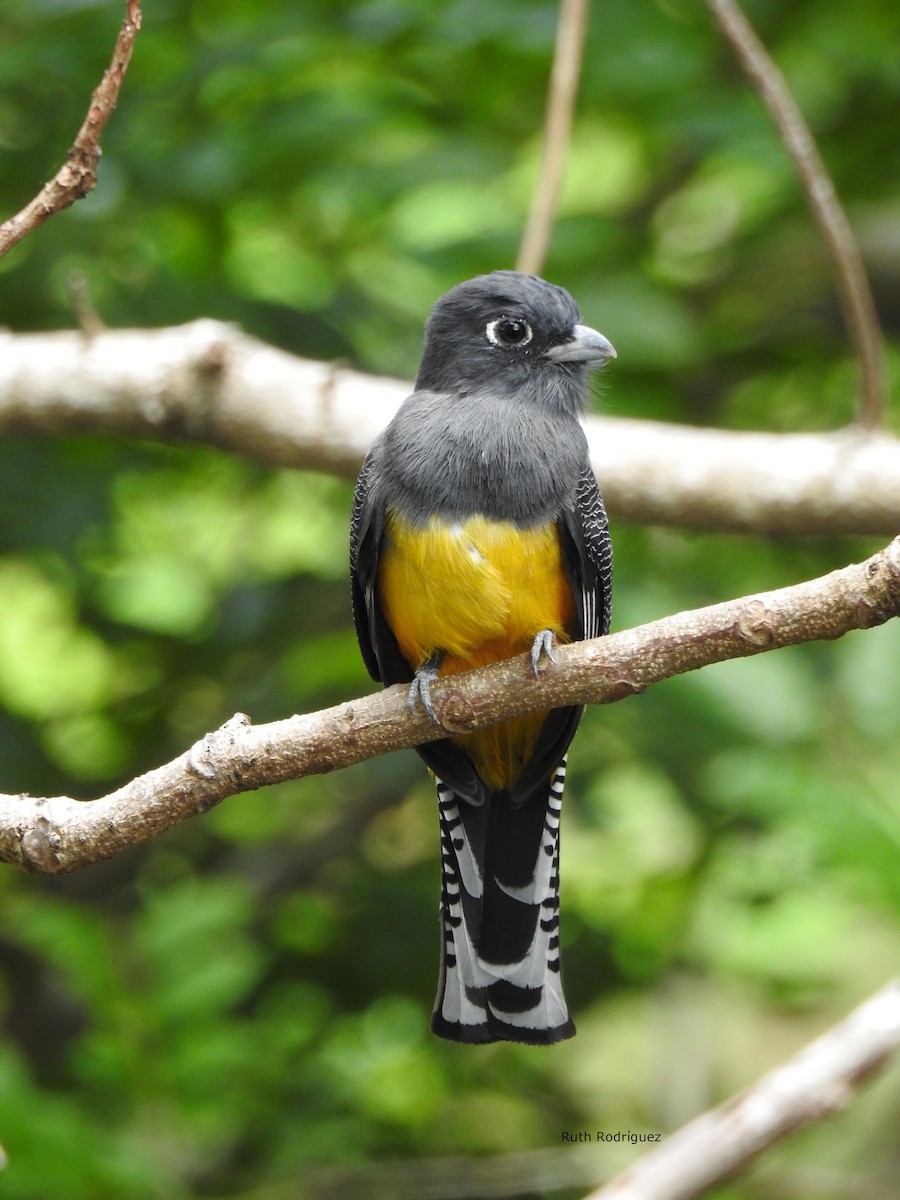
x=49 y=664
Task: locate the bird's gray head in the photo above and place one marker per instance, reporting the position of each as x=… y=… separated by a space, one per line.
x=509 y=334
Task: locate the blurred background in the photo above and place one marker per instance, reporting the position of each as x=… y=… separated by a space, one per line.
x=242 y=1006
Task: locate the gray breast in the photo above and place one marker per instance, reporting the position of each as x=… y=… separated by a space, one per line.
x=478 y=454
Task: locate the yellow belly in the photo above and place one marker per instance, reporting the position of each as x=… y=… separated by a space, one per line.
x=476 y=591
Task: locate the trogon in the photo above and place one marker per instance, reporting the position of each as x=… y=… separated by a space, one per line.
x=479 y=533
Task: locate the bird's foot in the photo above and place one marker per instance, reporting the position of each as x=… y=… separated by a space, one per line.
x=420 y=688
x=544 y=643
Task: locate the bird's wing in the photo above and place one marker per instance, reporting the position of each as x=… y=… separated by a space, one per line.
x=364 y=535
x=377 y=643
x=587 y=557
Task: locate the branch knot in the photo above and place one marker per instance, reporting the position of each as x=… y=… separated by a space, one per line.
x=40 y=846
x=456 y=712
x=757 y=624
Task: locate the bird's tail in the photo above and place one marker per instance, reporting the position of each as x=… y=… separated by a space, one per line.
x=501 y=977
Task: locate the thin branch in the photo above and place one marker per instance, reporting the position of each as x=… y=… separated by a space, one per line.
x=815 y=1083
x=59 y=834
x=78 y=174
x=852 y=282
x=564 y=75
x=210 y=383
x=78 y=293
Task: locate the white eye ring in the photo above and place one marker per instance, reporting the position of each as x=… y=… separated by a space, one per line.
x=509 y=332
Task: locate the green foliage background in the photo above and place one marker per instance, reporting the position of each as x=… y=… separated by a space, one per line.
x=247 y=999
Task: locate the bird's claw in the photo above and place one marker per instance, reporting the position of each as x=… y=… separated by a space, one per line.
x=420 y=688
x=544 y=643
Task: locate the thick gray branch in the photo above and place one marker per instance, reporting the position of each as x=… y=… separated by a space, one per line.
x=60 y=834
x=210 y=383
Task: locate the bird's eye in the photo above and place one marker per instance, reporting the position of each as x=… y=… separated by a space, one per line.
x=509 y=331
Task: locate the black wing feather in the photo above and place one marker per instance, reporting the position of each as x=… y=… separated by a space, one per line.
x=381 y=654
x=587 y=557
x=364 y=563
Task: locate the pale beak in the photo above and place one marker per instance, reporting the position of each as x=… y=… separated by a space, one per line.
x=586 y=345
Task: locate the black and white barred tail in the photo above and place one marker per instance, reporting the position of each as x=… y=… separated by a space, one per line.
x=501 y=977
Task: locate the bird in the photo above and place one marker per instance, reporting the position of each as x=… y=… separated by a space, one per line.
x=478 y=532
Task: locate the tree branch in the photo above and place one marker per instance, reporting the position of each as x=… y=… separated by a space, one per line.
x=816 y=1083
x=59 y=834
x=565 y=73
x=210 y=383
x=78 y=174
x=852 y=282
